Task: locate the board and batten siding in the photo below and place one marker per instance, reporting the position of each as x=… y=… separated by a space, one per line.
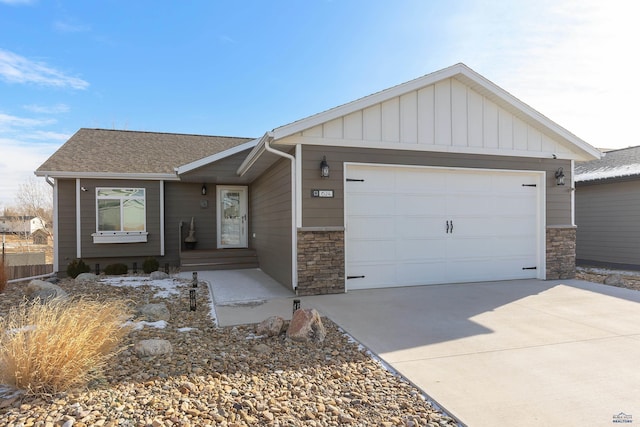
x=327 y=212
x=270 y=219
x=443 y=116
x=608 y=222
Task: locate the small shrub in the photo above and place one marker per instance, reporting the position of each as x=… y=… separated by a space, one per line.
x=4 y=277
x=77 y=267
x=150 y=265
x=53 y=347
x=116 y=269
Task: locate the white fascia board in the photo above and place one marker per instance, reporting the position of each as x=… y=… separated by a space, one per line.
x=110 y=175
x=255 y=154
x=215 y=157
x=306 y=140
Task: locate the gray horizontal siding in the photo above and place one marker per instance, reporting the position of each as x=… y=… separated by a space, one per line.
x=608 y=220
x=66 y=232
x=270 y=219
x=330 y=212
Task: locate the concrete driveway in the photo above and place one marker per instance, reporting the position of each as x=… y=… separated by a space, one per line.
x=516 y=353
x=525 y=353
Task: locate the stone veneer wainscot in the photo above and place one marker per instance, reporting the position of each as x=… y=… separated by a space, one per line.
x=561 y=252
x=321 y=260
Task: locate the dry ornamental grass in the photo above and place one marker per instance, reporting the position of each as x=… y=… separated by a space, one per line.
x=52 y=347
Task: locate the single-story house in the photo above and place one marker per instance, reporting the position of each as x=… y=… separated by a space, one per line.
x=443 y=179
x=21 y=224
x=608 y=210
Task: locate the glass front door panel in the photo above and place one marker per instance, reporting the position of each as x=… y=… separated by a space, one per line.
x=232 y=217
x=231 y=221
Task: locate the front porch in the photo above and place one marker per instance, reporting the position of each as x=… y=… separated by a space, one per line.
x=218 y=259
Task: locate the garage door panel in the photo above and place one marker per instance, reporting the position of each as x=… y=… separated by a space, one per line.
x=420 y=227
x=423 y=250
x=370 y=250
x=361 y=204
x=367 y=276
x=360 y=227
x=424 y=273
x=496 y=226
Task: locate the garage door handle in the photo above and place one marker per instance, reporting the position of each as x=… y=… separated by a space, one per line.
x=451 y=229
x=447 y=231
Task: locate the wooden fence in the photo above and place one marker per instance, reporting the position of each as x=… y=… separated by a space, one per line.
x=23 y=271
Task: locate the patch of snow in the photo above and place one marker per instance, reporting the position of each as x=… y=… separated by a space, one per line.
x=160 y=324
x=166 y=287
x=187 y=329
x=7 y=392
x=254 y=337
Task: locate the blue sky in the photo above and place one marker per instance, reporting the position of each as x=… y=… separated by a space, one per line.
x=240 y=68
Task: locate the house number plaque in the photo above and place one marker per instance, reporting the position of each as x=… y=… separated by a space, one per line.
x=322 y=193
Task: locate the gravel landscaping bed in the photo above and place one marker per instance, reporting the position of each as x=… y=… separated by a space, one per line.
x=222 y=376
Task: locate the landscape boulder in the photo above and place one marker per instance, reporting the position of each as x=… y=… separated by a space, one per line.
x=86 y=277
x=271 y=327
x=44 y=291
x=154 y=312
x=306 y=326
x=158 y=275
x=153 y=347
x=614 y=280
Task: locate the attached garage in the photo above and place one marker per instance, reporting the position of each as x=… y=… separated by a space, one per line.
x=409 y=226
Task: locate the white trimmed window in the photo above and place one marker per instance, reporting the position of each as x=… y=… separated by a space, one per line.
x=120 y=215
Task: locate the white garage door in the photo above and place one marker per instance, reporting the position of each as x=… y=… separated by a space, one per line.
x=416 y=226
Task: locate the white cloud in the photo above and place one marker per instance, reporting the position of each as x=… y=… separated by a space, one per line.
x=47 y=109
x=70 y=27
x=9 y=122
x=17 y=2
x=18 y=69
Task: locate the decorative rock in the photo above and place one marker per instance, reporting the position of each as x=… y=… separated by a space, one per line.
x=44 y=291
x=158 y=275
x=86 y=277
x=155 y=312
x=271 y=327
x=262 y=349
x=153 y=347
x=614 y=280
x=306 y=325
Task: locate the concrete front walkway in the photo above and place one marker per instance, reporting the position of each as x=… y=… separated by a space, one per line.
x=525 y=353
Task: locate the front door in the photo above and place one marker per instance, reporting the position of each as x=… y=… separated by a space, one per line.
x=232 y=216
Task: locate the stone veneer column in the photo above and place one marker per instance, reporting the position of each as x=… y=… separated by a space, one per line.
x=320 y=260
x=561 y=252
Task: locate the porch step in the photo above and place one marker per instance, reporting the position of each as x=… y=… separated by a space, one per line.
x=220 y=259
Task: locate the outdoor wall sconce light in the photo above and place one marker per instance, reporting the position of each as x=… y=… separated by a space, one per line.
x=560 y=176
x=324 y=168
x=204 y=189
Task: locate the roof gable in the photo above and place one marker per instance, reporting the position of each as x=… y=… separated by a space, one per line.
x=454 y=109
x=149 y=155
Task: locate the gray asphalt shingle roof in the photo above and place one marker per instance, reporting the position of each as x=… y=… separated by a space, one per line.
x=118 y=151
x=613 y=164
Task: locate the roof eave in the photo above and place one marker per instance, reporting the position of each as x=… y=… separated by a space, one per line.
x=107 y=175
x=215 y=157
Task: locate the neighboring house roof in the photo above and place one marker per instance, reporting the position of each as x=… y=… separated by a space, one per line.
x=108 y=153
x=614 y=164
